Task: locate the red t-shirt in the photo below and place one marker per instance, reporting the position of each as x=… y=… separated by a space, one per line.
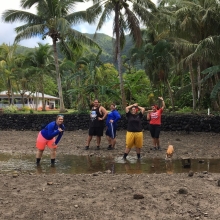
x=155 y=117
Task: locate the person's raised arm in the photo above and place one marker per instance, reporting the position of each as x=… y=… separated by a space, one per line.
x=163 y=103
x=141 y=109
x=128 y=107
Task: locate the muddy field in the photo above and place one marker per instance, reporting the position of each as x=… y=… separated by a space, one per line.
x=104 y=195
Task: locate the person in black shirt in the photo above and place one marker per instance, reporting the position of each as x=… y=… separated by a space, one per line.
x=96 y=125
x=134 y=135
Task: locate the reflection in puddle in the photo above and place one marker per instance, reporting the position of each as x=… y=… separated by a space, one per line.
x=70 y=164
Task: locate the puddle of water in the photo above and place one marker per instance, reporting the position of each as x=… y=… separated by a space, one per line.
x=70 y=164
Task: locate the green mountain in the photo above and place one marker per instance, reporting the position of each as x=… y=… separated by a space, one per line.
x=107 y=44
x=104 y=41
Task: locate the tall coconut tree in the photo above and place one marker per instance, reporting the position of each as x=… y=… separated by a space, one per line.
x=127 y=17
x=8 y=65
x=54 y=19
x=40 y=61
x=193 y=21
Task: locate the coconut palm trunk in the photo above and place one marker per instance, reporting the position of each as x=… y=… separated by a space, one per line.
x=42 y=89
x=118 y=54
x=170 y=93
x=192 y=78
x=199 y=82
x=62 y=108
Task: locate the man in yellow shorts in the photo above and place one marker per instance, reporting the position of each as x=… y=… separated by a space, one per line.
x=134 y=135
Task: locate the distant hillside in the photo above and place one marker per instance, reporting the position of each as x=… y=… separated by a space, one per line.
x=104 y=41
x=22 y=49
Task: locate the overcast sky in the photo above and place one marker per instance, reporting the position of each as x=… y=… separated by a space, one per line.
x=7 y=33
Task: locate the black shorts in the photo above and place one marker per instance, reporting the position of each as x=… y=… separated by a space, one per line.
x=96 y=131
x=155 y=130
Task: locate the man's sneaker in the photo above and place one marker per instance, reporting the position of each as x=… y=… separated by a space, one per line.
x=87 y=148
x=159 y=148
x=110 y=148
x=97 y=148
x=154 y=148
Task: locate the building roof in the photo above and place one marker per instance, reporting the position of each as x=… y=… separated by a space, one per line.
x=29 y=94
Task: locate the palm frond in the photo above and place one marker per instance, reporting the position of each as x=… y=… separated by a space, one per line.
x=76 y=17
x=106 y=15
x=134 y=26
x=33 y=31
x=16 y=15
x=215 y=91
x=74 y=36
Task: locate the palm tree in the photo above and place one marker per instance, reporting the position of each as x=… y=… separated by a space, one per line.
x=40 y=61
x=193 y=21
x=51 y=20
x=125 y=19
x=8 y=65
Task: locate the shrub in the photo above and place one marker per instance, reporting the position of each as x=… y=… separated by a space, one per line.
x=25 y=108
x=10 y=109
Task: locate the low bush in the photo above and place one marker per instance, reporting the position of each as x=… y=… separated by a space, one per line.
x=10 y=109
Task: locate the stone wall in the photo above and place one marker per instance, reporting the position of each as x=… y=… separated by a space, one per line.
x=197 y=123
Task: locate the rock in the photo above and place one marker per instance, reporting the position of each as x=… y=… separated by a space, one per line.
x=201 y=161
x=138 y=196
x=15 y=175
x=218 y=183
x=183 y=191
x=191 y=173
x=206 y=214
x=49 y=183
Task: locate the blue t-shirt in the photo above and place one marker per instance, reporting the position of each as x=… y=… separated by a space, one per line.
x=113 y=115
x=51 y=131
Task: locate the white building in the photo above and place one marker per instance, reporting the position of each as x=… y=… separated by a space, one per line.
x=32 y=100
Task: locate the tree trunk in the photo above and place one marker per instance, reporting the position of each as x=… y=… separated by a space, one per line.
x=118 y=54
x=22 y=98
x=192 y=78
x=36 y=101
x=198 y=81
x=62 y=108
x=43 y=99
x=216 y=81
x=214 y=103
x=170 y=93
x=12 y=97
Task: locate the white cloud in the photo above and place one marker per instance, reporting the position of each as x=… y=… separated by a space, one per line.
x=7 y=33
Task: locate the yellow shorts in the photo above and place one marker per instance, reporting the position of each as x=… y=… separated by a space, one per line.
x=134 y=139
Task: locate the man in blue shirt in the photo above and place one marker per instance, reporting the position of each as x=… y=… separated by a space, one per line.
x=46 y=137
x=111 y=123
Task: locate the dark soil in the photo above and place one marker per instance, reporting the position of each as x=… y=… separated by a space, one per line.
x=109 y=196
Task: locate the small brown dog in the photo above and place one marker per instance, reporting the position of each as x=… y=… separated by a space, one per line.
x=170 y=151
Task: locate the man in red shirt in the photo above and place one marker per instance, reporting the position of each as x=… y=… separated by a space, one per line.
x=154 y=116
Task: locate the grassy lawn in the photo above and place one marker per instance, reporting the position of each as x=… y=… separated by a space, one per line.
x=39 y=112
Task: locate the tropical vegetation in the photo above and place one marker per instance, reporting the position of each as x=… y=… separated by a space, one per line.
x=168 y=50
